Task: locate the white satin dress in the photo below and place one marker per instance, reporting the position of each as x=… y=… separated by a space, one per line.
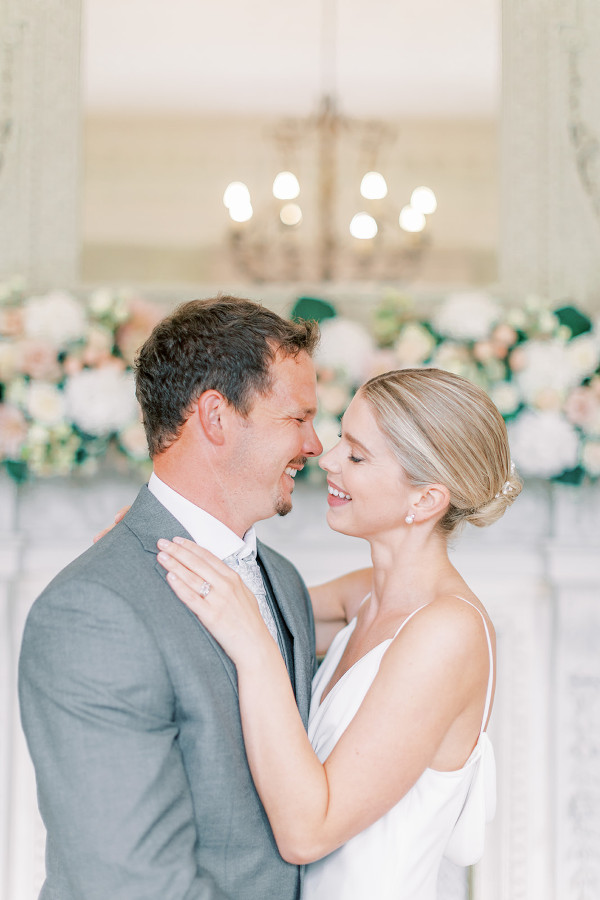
x=442 y=815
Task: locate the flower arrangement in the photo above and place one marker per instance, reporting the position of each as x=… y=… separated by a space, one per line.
x=540 y=366
x=67 y=398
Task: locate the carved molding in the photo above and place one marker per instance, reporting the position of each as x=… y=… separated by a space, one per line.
x=550 y=154
x=39 y=180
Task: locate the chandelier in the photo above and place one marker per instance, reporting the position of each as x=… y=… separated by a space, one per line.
x=337 y=220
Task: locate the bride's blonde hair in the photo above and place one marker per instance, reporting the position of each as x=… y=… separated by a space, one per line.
x=444 y=429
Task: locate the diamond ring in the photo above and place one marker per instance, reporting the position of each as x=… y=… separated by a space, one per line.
x=204 y=589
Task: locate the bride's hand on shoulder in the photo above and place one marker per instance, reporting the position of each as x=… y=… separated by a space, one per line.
x=216 y=595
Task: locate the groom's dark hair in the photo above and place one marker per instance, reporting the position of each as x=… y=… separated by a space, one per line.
x=225 y=344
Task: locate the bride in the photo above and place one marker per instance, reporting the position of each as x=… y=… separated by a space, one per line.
x=397 y=770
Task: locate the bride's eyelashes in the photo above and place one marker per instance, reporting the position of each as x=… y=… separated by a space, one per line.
x=351 y=457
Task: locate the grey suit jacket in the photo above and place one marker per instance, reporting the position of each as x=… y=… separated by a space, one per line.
x=130 y=711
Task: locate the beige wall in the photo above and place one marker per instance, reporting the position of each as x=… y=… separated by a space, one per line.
x=153 y=185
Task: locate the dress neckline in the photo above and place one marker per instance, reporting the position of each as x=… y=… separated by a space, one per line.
x=325 y=693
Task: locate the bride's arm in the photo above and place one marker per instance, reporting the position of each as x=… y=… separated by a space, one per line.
x=426 y=680
x=336 y=602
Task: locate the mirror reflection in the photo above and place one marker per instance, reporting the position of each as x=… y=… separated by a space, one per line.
x=180 y=102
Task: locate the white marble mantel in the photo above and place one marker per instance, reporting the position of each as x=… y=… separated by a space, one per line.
x=537 y=571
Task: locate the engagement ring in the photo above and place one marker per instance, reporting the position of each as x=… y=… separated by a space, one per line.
x=204 y=589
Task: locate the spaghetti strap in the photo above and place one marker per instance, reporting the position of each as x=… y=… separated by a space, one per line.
x=409 y=617
x=488 y=696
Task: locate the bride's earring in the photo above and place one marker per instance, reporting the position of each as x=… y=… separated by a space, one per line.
x=410 y=519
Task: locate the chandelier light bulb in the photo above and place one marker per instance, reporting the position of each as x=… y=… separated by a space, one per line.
x=291 y=214
x=423 y=200
x=411 y=219
x=241 y=212
x=373 y=186
x=235 y=194
x=286 y=186
x=363 y=226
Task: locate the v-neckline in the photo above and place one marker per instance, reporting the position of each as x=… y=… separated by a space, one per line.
x=327 y=693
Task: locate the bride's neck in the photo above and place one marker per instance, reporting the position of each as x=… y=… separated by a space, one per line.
x=409 y=572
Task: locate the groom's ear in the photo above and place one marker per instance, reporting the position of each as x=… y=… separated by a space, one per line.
x=211 y=409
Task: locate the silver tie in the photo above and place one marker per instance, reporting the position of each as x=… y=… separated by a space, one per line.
x=248 y=570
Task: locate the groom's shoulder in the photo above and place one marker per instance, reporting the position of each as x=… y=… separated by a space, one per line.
x=122 y=556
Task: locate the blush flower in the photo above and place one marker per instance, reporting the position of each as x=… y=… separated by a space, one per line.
x=13 y=431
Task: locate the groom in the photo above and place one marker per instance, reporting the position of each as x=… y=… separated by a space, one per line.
x=129 y=706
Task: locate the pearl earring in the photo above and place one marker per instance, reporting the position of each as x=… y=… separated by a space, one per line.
x=410 y=519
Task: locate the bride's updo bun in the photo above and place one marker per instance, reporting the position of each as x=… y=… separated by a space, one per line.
x=444 y=429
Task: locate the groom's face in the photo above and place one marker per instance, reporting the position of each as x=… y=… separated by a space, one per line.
x=275 y=439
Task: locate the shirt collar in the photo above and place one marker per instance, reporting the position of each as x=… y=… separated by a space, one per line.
x=206 y=530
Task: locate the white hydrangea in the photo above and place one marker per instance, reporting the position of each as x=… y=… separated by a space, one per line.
x=548 y=367
x=45 y=403
x=543 y=444
x=467 y=316
x=56 y=317
x=345 y=346
x=101 y=401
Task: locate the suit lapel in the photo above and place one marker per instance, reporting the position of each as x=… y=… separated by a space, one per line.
x=149 y=520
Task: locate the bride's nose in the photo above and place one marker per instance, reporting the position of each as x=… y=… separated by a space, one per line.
x=329 y=461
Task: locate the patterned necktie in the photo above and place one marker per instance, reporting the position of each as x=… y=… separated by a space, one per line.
x=248 y=570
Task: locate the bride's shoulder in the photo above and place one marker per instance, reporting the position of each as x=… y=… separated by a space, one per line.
x=450 y=623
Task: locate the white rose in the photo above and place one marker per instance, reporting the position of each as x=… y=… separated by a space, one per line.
x=101 y=301
x=455 y=358
x=345 y=346
x=543 y=444
x=583 y=355
x=506 y=397
x=590 y=457
x=101 y=401
x=45 y=403
x=468 y=316
x=56 y=317
x=414 y=345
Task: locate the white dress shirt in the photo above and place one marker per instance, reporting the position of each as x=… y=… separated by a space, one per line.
x=206 y=531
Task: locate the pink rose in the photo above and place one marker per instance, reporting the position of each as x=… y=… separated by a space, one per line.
x=130 y=336
x=13 y=431
x=38 y=360
x=11 y=322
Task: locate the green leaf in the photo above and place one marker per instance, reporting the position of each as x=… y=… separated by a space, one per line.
x=16 y=469
x=571 y=476
x=576 y=321
x=311 y=309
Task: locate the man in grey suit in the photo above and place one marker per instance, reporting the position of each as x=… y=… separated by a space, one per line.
x=128 y=704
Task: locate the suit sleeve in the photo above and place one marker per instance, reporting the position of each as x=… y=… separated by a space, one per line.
x=98 y=712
